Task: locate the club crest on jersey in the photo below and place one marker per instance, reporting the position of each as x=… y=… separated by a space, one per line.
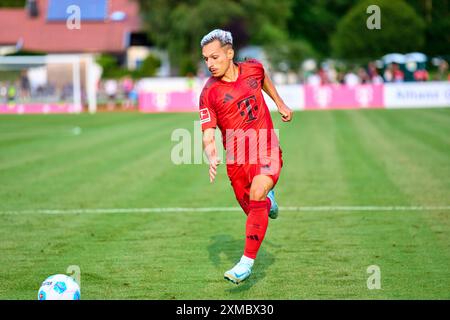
x=204 y=115
x=252 y=82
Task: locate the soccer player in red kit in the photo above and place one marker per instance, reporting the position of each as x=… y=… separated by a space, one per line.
x=232 y=101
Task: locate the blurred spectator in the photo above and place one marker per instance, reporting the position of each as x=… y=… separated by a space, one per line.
x=127 y=87
x=111 y=92
x=443 y=70
x=351 y=79
x=313 y=79
x=388 y=74
x=374 y=76
x=12 y=92
x=323 y=76
x=66 y=92
x=398 y=74
x=190 y=80
x=24 y=85
x=332 y=75
x=340 y=77
x=133 y=96
x=3 y=92
x=292 y=77
x=372 y=70
x=363 y=76
x=421 y=75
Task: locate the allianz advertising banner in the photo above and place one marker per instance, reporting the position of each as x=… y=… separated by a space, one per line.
x=417 y=95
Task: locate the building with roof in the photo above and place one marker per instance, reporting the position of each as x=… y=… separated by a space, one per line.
x=105 y=26
x=75 y=28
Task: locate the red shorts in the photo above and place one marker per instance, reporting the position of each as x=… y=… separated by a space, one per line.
x=241 y=176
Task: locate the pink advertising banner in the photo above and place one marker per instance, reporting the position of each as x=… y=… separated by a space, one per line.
x=336 y=96
x=37 y=108
x=172 y=101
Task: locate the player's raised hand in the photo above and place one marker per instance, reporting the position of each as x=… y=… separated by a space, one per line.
x=211 y=152
x=286 y=113
x=213 y=163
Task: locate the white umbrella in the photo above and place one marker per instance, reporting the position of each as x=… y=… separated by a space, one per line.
x=394 y=57
x=416 y=57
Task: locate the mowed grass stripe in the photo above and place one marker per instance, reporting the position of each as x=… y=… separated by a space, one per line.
x=176 y=256
x=421 y=172
x=121 y=180
x=439 y=116
x=362 y=162
x=90 y=138
x=403 y=158
x=424 y=132
x=424 y=177
x=341 y=239
x=32 y=129
x=310 y=167
x=148 y=262
x=317 y=244
x=425 y=256
x=96 y=277
x=90 y=161
x=350 y=262
x=42 y=148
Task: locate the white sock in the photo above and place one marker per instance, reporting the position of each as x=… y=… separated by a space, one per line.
x=247 y=260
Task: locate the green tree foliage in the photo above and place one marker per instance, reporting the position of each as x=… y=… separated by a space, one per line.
x=292 y=30
x=178 y=26
x=402 y=30
x=315 y=20
x=12 y=3
x=148 y=68
x=110 y=66
x=113 y=70
x=437 y=19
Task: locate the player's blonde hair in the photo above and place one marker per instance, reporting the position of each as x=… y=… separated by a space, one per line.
x=223 y=36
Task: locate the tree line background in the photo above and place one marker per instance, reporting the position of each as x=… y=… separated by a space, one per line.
x=291 y=31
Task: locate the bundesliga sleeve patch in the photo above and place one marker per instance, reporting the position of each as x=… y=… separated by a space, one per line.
x=204 y=115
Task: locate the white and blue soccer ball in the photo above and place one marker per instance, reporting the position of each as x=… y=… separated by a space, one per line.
x=59 y=287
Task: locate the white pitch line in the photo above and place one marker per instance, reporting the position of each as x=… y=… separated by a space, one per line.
x=218 y=209
x=366 y=208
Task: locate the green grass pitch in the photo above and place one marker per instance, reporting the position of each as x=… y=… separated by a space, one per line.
x=377 y=158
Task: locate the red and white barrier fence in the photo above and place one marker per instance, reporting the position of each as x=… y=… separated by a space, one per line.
x=309 y=97
x=38 y=108
x=182 y=95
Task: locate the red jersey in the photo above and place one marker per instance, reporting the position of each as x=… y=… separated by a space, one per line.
x=238 y=109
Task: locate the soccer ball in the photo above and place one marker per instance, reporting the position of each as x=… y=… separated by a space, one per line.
x=59 y=287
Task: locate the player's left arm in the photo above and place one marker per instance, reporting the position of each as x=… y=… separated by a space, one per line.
x=283 y=109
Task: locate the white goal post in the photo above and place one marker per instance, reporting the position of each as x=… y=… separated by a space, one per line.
x=62 y=80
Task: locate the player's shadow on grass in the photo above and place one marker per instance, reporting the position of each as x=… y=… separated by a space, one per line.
x=225 y=252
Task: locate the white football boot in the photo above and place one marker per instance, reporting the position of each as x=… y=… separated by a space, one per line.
x=273 y=214
x=240 y=272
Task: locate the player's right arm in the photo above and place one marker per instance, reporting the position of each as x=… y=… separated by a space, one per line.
x=209 y=122
x=209 y=144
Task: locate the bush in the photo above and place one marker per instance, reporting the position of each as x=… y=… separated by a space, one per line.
x=402 y=30
x=110 y=66
x=112 y=69
x=148 y=68
x=12 y=3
